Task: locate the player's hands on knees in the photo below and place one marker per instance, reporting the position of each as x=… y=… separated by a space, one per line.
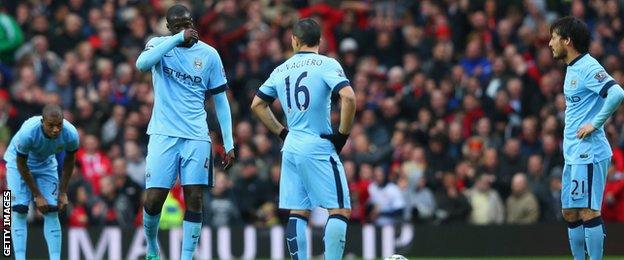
x=190 y=35
x=62 y=201
x=229 y=160
x=337 y=139
x=42 y=204
x=585 y=131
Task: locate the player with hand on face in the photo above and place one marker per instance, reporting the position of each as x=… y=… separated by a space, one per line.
x=591 y=96
x=32 y=174
x=312 y=174
x=185 y=73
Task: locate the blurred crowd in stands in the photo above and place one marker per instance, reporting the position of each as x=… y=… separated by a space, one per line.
x=459 y=103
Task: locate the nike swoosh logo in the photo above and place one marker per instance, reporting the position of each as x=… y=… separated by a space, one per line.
x=194 y=236
x=291 y=239
x=168 y=56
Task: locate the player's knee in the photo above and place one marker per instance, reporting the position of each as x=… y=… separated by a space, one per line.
x=570 y=215
x=194 y=201
x=587 y=214
x=152 y=206
x=303 y=214
x=154 y=199
x=343 y=212
x=21 y=209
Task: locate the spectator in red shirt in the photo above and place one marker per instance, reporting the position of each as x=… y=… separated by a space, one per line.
x=94 y=163
x=613 y=204
x=79 y=213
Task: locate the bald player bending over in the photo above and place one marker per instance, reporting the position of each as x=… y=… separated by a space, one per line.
x=31 y=173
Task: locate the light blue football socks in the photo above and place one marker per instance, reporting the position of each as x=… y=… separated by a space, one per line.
x=335 y=236
x=191 y=227
x=52 y=233
x=594 y=237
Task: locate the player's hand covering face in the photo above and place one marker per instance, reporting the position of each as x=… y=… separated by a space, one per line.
x=178 y=24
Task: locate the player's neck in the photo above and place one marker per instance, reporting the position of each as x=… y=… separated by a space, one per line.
x=309 y=49
x=572 y=55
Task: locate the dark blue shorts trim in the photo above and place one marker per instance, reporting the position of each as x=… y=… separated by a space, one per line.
x=339 y=191
x=590 y=178
x=210 y=166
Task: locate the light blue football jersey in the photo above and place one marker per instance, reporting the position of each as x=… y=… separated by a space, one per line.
x=181 y=81
x=30 y=140
x=304 y=85
x=585 y=87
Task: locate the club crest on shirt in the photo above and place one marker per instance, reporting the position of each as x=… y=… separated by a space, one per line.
x=197 y=64
x=600 y=76
x=573 y=83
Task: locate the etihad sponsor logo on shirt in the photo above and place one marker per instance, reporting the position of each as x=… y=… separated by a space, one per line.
x=181 y=76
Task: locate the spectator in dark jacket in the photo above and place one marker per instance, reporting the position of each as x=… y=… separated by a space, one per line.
x=453 y=207
x=250 y=191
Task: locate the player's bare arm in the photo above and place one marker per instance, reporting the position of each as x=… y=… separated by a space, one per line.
x=347 y=109
x=68 y=169
x=22 y=167
x=262 y=111
x=183 y=34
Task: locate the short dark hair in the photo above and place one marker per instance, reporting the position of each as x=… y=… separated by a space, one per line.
x=574 y=29
x=177 y=11
x=52 y=111
x=308 y=31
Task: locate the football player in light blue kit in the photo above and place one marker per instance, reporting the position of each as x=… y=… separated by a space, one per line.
x=312 y=174
x=32 y=173
x=185 y=72
x=591 y=97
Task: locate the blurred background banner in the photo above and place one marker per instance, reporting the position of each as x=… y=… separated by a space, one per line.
x=366 y=242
